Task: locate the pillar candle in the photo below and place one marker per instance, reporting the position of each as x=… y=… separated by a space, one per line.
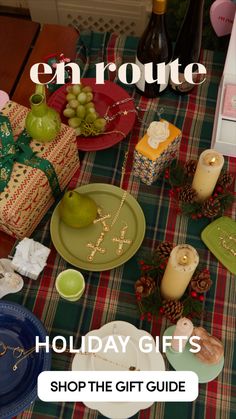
x=208 y=170
x=184 y=327
x=181 y=265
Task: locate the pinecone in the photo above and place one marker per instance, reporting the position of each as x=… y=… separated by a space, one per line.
x=163 y=250
x=145 y=286
x=225 y=180
x=187 y=194
x=190 y=167
x=201 y=282
x=172 y=309
x=211 y=207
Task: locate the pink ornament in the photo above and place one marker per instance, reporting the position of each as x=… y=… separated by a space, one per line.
x=3 y=98
x=222 y=16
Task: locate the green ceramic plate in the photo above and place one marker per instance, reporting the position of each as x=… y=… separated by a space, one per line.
x=187 y=361
x=222 y=227
x=71 y=243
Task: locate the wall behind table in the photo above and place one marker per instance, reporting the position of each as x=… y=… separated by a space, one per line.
x=176 y=12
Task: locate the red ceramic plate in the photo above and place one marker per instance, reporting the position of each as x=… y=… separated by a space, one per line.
x=105 y=95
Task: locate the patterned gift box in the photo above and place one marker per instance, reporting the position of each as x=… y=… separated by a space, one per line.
x=149 y=163
x=28 y=195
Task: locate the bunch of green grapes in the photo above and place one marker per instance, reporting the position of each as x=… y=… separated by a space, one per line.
x=81 y=113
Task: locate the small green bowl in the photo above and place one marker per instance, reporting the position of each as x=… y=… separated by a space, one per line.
x=70 y=285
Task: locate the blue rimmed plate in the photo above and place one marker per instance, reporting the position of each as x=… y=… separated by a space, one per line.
x=18 y=389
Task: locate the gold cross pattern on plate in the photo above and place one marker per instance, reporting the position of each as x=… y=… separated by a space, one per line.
x=121 y=240
x=96 y=247
x=102 y=219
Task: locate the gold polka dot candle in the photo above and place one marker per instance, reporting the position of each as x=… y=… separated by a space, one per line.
x=180 y=268
x=207 y=173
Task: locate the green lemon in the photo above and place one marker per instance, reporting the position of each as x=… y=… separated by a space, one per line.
x=70 y=284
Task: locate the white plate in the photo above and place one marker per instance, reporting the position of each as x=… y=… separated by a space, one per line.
x=117 y=361
x=152 y=361
x=10 y=282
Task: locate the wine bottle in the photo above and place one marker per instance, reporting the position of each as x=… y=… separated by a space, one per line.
x=188 y=44
x=154 y=47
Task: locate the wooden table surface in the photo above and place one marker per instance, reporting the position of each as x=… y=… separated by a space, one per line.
x=17 y=37
x=52 y=39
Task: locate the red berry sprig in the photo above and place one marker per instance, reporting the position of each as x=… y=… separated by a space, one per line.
x=196 y=296
x=167 y=174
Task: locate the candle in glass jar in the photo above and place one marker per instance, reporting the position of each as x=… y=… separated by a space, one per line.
x=184 y=327
x=207 y=172
x=181 y=265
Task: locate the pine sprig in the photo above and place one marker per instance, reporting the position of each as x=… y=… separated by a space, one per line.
x=151 y=303
x=192 y=305
x=176 y=174
x=180 y=179
x=190 y=208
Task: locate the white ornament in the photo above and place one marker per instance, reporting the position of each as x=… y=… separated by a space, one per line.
x=158 y=131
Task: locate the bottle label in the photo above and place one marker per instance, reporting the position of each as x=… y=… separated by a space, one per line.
x=141 y=83
x=185 y=86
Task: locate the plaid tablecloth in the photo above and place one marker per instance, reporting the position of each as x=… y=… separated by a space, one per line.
x=110 y=295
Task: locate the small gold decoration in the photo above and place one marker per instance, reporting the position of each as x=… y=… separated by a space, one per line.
x=121 y=240
x=3 y=174
x=11 y=150
x=4 y=129
x=227 y=241
x=21 y=354
x=106 y=228
x=96 y=247
x=102 y=219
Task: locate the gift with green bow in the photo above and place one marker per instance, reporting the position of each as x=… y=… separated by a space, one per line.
x=21 y=152
x=32 y=174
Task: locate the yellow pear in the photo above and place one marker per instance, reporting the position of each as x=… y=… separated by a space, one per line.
x=77 y=210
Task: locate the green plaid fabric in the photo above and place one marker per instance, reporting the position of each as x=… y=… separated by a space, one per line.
x=110 y=295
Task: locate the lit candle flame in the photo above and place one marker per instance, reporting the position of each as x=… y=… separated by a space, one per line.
x=184 y=260
x=212 y=161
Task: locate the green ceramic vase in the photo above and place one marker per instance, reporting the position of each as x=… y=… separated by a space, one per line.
x=42 y=122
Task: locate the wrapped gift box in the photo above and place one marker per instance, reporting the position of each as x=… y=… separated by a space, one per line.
x=149 y=163
x=28 y=195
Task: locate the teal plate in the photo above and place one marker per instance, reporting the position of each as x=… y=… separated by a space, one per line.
x=187 y=361
x=223 y=227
